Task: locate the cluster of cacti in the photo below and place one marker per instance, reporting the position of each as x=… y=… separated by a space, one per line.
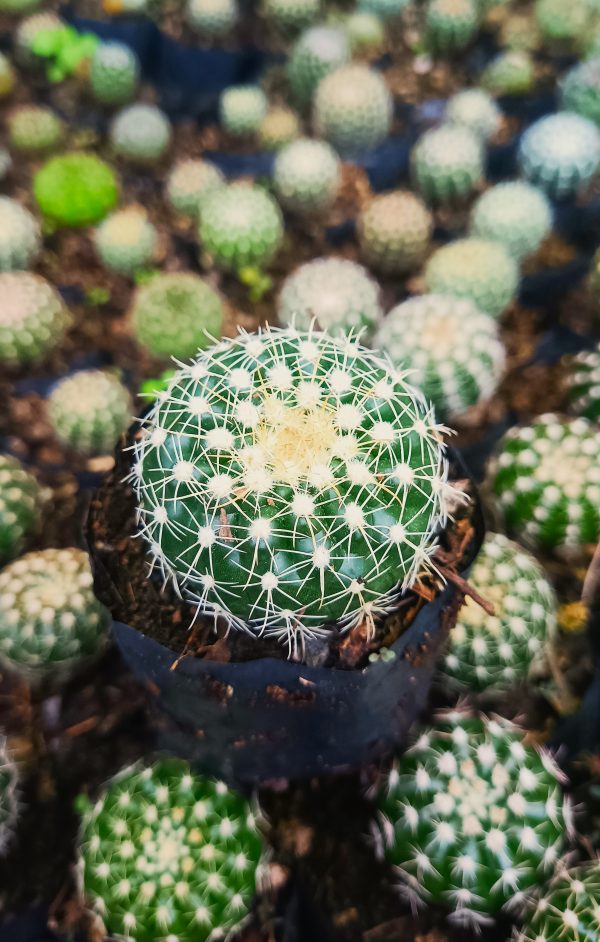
x=312 y=461
x=394 y=231
x=580 y=90
x=560 y=153
x=546 y=479
x=516 y=214
x=562 y=23
x=450 y=25
x=365 y=30
x=34 y=129
x=140 y=134
x=20 y=237
x=475 y=109
x=9 y=805
x=7 y=76
x=496 y=651
x=478 y=269
x=176 y=314
x=240 y=225
x=20 y=506
x=213 y=18
x=317 y=52
x=280 y=126
x=473 y=818
x=126 y=241
x=583 y=384
x=114 y=73
x=292 y=14
x=306 y=176
x=76 y=189
x=447 y=164
x=89 y=410
x=189 y=182
x=352 y=109
x=33 y=318
x=510 y=73
x=569 y=910
x=338 y=294
x=242 y=109
x=452 y=347
x=169 y=854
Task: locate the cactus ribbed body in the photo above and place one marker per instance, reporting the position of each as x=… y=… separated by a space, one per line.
x=394 y=231
x=213 y=18
x=580 y=90
x=89 y=410
x=242 y=109
x=76 y=189
x=176 y=314
x=306 y=176
x=33 y=318
x=450 y=25
x=114 y=73
x=476 y=110
x=292 y=14
x=516 y=214
x=20 y=238
x=33 y=129
x=189 y=182
x=569 y=910
x=447 y=164
x=352 y=109
x=279 y=127
x=583 y=384
x=336 y=292
x=126 y=241
x=240 y=225
x=477 y=269
x=20 y=507
x=510 y=73
x=9 y=806
x=140 y=134
x=560 y=153
x=318 y=51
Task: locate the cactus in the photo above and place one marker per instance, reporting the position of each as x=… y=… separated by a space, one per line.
x=352 y=109
x=242 y=109
x=49 y=617
x=583 y=384
x=475 y=109
x=213 y=18
x=176 y=314
x=140 y=134
x=34 y=129
x=20 y=237
x=33 y=318
x=9 y=804
x=18 y=7
x=189 y=183
x=240 y=225
x=569 y=910
x=562 y=23
x=319 y=51
x=450 y=25
x=560 y=153
x=365 y=30
x=473 y=818
x=515 y=214
x=546 y=479
x=386 y=9
x=394 y=231
x=580 y=90
x=292 y=15
x=279 y=127
x=89 y=411
x=519 y=32
x=337 y=293
x=510 y=73
x=313 y=474
x=76 y=189
x=20 y=507
x=7 y=76
x=114 y=73
x=477 y=269
x=454 y=350
x=169 y=854
x=496 y=651
x=306 y=177
x=126 y=241
x=447 y=164
x=26 y=33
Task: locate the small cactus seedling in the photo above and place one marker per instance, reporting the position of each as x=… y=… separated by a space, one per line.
x=580 y=90
x=114 y=73
x=76 y=189
x=306 y=177
x=89 y=410
x=317 y=52
x=365 y=31
x=189 y=182
x=20 y=507
x=242 y=109
x=33 y=129
x=516 y=214
x=335 y=292
x=240 y=225
x=140 y=134
x=447 y=164
x=454 y=350
x=33 y=318
x=496 y=651
x=394 y=231
x=20 y=237
x=352 y=109
x=560 y=23
x=546 y=478
x=475 y=109
x=569 y=910
x=26 y=32
x=472 y=818
x=212 y=18
x=292 y=15
x=385 y=9
x=50 y=618
x=560 y=153
x=450 y=25
x=7 y=76
x=289 y=480
x=477 y=269
x=169 y=854
x=176 y=314
x=510 y=73
x=583 y=384
x=279 y=127
x=126 y=241
x=9 y=806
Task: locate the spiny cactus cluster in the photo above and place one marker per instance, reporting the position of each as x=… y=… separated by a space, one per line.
x=477 y=269
x=76 y=189
x=20 y=507
x=338 y=294
x=516 y=214
x=240 y=225
x=126 y=241
x=33 y=129
x=510 y=73
x=292 y=15
x=242 y=109
x=213 y=18
x=49 y=616
x=560 y=153
x=447 y=164
x=394 y=231
x=140 y=134
x=352 y=109
x=580 y=90
x=583 y=384
x=114 y=73
x=280 y=126
x=476 y=110
x=9 y=805
x=453 y=348
x=450 y=25
x=33 y=318
x=306 y=177
x=317 y=52
x=288 y=480
x=20 y=237
x=569 y=910
x=89 y=410
x=176 y=314
x=169 y=854
x=189 y=182
x=472 y=818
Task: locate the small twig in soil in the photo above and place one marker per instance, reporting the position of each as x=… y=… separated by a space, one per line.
x=466 y=588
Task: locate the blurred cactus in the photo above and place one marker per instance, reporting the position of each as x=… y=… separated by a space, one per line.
x=33 y=318
x=394 y=231
x=477 y=269
x=176 y=314
x=126 y=241
x=515 y=214
x=140 y=134
x=337 y=293
x=447 y=164
x=352 y=109
x=20 y=507
x=20 y=237
x=89 y=411
x=306 y=177
x=560 y=153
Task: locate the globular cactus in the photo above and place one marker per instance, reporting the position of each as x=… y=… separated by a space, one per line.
x=126 y=241
x=9 y=802
x=472 y=818
x=336 y=292
x=519 y=31
x=280 y=126
x=477 y=269
x=516 y=214
x=365 y=30
x=7 y=76
x=114 y=73
x=475 y=109
x=140 y=134
x=386 y=9
x=583 y=384
x=189 y=182
x=447 y=164
x=495 y=652
x=20 y=507
x=510 y=73
x=168 y=854
x=352 y=109
x=75 y=189
x=27 y=31
x=33 y=318
x=242 y=109
x=568 y=910
x=317 y=52
x=450 y=25
x=292 y=15
x=20 y=236
x=33 y=129
x=240 y=225
x=212 y=18
x=546 y=479
x=563 y=24
x=580 y=90
x=394 y=232
x=307 y=177
x=560 y=153
x=176 y=314
x=89 y=410
x=452 y=347
x=311 y=476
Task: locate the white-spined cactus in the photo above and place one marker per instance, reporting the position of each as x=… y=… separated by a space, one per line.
x=510 y=73
x=89 y=410
x=20 y=237
x=352 y=109
x=337 y=293
x=560 y=153
x=475 y=109
x=394 y=231
x=242 y=109
x=20 y=507
x=140 y=134
x=516 y=214
x=450 y=25
x=477 y=269
x=9 y=805
x=563 y=25
x=126 y=241
x=212 y=18
x=34 y=129
x=33 y=318
x=240 y=225
x=583 y=384
x=306 y=177
x=317 y=52
x=114 y=73
x=580 y=90
x=447 y=164
x=568 y=910
x=189 y=182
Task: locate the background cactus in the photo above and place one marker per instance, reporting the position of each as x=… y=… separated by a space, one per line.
x=547 y=481
x=562 y=23
x=386 y=9
x=189 y=182
x=477 y=269
x=7 y=76
x=317 y=52
x=33 y=318
x=447 y=164
x=76 y=189
x=240 y=225
x=213 y=18
x=33 y=129
x=20 y=507
x=292 y=14
x=516 y=214
x=169 y=854
x=352 y=109
x=337 y=293
x=450 y=25
x=89 y=410
x=279 y=127
x=20 y=237
x=126 y=241
x=306 y=176
x=580 y=90
x=114 y=73
x=140 y=134
x=569 y=909
x=475 y=109
x=394 y=231
x=176 y=314
x=242 y=109
x=583 y=384
x=9 y=805
x=26 y=32
x=454 y=350
x=510 y=73
x=560 y=153
x=365 y=30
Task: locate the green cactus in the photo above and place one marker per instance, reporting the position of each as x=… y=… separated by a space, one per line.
x=292 y=15
x=560 y=153
x=546 y=479
x=352 y=109
x=450 y=25
x=114 y=73
x=18 y=7
x=473 y=818
x=34 y=129
x=242 y=109
x=169 y=854
x=580 y=90
x=279 y=127
x=562 y=23
x=76 y=189
x=319 y=51
x=7 y=76
x=213 y=18
x=394 y=232
x=49 y=617
x=516 y=214
x=519 y=32
x=386 y=9
x=447 y=164
x=569 y=910
x=26 y=33
x=20 y=237
x=240 y=225
x=475 y=109
x=20 y=507
x=365 y=30
x=33 y=318
x=510 y=73
x=583 y=384
x=9 y=803
x=477 y=269
x=307 y=177
x=140 y=134
x=496 y=651
x=335 y=292
x=126 y=241
x=89 y=410
x=189 y=182
x=176 y=314
x=452 y=347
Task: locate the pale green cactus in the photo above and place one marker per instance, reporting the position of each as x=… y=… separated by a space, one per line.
x=33 y=318
x=89 y=411
x=510 y=73
x=140 y=134
x=365 y=30
x=34 y=129
x=568 y=910
x=212 y=18
x=352 y=109
x=114 y=73
x=447 y=164
x=562 y=23
x=560 y=153
x=583 y=384
x=292 y=15
x=307 y=177
x=176 y=314
x=477 y=269
x=450 y=25
x=242 y=109
x=279 y=127
x=475 y=109
x=240 y=225
x=516 y=214
x=337 y=293
x=20 y=507
x=394 y=232
x=126 y=241
x=189 y=182
x=20 y=236
x=317 y=52
x=580 y=90
x=9 y=803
